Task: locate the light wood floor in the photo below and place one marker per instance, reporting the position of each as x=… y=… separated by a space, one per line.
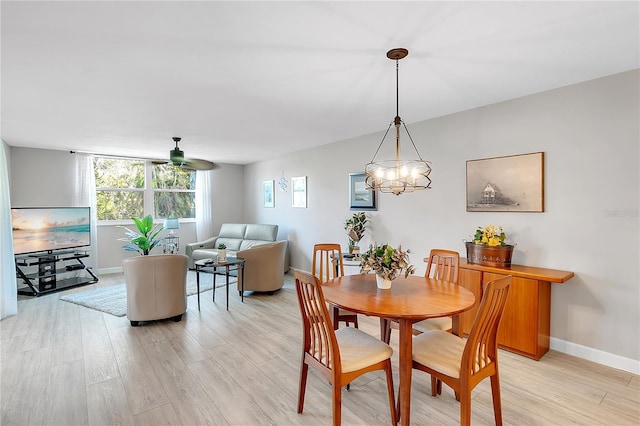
x=63 y=364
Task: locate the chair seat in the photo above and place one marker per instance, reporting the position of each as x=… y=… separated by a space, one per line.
x=440 y=350
x=442 y=324
x=359 y=349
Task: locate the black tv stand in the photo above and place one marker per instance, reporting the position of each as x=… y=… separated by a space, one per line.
x=49 y=277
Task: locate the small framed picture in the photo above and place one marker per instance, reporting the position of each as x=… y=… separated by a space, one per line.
x=360 y=197
x=268 y=194
x=299 y=192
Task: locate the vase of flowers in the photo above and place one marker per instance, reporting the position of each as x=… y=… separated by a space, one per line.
x=489 y=247
x=387 y=262
x=355 y=227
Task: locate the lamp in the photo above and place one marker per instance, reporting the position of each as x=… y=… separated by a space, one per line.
x=171 y=224
x=398 y=175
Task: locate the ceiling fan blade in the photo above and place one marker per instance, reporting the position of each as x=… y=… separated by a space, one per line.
x=197 y=164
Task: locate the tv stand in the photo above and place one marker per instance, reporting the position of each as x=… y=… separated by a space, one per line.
x=50 y=275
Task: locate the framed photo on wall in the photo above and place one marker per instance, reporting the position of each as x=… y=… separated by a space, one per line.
x=360 y=197
x=268 y=194
x=299 y=192
x=506 y=184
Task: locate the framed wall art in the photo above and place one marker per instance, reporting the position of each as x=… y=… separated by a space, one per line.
x=360 y=197
x=506 y=184
x=268 y=194
x=299 y=192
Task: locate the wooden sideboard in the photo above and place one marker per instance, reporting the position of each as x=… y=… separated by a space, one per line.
x=525 y=325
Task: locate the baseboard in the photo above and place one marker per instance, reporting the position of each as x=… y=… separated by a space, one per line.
x=595 y=355
x=115 y=270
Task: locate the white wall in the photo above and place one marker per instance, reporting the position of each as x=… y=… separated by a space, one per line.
x=590 y=135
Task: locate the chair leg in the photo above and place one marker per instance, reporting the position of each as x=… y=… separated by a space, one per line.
x=304 y=369
x=337 y=404
x=385 y=330
x=392 y=398
x=465 y=408
x=495 y=392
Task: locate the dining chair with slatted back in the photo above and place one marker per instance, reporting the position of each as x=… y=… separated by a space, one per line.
x=339 y=355
x=447 y=358
x=441 y=265
x=327 y=264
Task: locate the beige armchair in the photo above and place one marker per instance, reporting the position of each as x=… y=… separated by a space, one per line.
x=263 y=267
x=156 y=287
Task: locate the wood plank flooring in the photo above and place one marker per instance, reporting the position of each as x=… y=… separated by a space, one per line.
x=63 y=364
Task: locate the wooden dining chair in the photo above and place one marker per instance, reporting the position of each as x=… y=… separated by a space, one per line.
x=441 y=265
x=447 y=358
x=339 y=355
x=327 y=264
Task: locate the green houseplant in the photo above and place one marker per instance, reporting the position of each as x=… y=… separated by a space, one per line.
x=145 y=239
x=355 y=227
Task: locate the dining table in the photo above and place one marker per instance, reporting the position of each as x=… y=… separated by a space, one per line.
x=409 y=300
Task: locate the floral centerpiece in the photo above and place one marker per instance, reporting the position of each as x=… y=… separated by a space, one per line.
x=355 y=227
x=490 y=236
x=489 y=247
x=387 y=262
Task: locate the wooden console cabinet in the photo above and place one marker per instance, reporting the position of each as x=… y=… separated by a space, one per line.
x=525 y=325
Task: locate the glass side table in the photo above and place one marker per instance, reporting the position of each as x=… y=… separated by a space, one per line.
x=215 y=267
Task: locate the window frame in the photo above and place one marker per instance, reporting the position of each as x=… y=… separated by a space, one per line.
x=148 y=197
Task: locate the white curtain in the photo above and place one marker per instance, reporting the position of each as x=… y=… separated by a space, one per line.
x=84 y=195
x=8 y=283
x=204 y=216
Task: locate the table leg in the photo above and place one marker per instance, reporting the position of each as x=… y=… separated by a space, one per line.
x=455 y=325
x=227 y=283
x=404 y=359
x=198 y=287
x=213 y=277
x=241 y=275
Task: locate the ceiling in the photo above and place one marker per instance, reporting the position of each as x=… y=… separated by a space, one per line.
x=245 y=81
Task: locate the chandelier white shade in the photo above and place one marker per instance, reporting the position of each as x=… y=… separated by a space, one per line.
x=397 y=175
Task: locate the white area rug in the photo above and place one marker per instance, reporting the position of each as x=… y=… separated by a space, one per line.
x=113 y=299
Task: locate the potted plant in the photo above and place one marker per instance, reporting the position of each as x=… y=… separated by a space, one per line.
x=355 y=227
x=222 y=252
x=145 y=239
x=387 y=262
x=489 y=247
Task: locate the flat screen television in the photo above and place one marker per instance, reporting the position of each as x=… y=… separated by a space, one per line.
x=45 y=229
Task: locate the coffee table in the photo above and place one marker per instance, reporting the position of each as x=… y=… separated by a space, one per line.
x=215 y=267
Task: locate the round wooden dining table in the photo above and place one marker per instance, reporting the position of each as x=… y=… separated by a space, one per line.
x=409 y=300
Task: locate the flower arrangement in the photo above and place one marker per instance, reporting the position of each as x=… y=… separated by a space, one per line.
x=355 y=227
x=386 y=261
x=490 y=236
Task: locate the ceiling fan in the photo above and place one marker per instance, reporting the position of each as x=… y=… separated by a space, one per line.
x=176 y=157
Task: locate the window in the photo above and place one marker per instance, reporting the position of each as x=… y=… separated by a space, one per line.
x=135 y=188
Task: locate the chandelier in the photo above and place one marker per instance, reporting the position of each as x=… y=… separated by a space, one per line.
x=397 y=176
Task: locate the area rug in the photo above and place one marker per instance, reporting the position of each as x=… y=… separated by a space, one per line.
x=113 y=299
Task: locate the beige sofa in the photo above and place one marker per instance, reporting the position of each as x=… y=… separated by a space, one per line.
x=263 y=266
x=156 y=287
x=241 y=239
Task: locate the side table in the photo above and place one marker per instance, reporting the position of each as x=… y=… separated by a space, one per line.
x=214 y=267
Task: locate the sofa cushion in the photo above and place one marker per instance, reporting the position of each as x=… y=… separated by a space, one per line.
x=233 y=230
x=231 y=243
x=246 y=244
x=261 y=232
